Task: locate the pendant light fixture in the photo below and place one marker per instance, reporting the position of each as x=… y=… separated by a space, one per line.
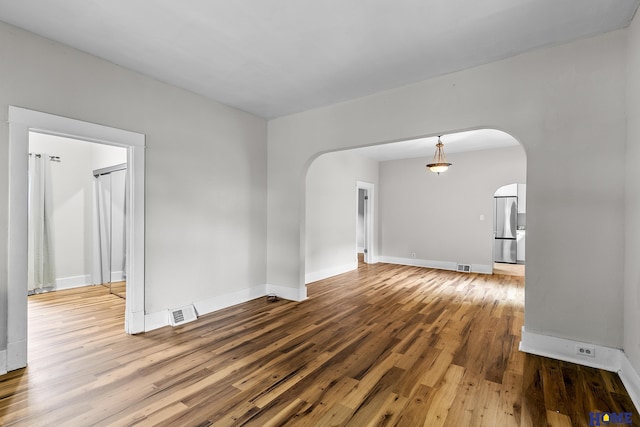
x=439 y=163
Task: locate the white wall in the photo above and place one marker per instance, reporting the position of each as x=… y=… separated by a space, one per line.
x=205 y=167
x=331 y=216
x=437 y=217
x=73 y=205
x=565 y=105
x=632 y=217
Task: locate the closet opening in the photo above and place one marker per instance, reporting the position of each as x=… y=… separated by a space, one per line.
x=110 y=242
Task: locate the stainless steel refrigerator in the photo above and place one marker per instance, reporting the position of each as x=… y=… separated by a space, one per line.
x=504 y=229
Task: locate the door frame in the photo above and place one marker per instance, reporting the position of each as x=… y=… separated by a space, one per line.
x=370 y=253
x=21 y=121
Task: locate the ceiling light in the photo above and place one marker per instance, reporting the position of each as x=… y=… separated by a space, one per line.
x=439 y=163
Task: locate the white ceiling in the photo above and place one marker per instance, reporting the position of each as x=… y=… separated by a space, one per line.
x=482 y=139
x=275 y=57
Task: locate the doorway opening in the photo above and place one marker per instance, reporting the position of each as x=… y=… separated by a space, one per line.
x=77 y=233
x=110 y=240
x=21 y=122
x=365 y=221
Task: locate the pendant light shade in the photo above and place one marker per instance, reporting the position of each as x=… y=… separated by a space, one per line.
x=439 y=163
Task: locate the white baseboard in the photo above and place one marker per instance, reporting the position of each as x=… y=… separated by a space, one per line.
x=607 y=358
x=482 y=268
x=329 y=272
x=227 y=300
x=73 y=282
x=159 y=319
x=16 y=355
x=156 y=320
x=292 y=294
x=117 y=276
x=631 y=381
x=86 y=280
x=440 y=265
x=3 y=362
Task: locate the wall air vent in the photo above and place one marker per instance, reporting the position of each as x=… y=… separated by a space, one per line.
x=182 y=315
x=464 y=268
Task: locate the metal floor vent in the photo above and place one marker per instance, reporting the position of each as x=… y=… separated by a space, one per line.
x=182 y=315
x=464 y=268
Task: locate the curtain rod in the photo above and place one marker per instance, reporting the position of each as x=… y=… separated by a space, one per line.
x=52 y=158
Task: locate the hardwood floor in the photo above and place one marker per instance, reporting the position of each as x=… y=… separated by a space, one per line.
x=508 y=269
x=382 y=346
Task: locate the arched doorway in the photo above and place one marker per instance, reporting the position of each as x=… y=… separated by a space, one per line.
x=438 y=221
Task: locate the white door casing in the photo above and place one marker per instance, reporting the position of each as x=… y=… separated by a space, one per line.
x=21 y=121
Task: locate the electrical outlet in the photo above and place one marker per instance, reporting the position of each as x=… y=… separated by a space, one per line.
x=586 y=350
x=413 y=254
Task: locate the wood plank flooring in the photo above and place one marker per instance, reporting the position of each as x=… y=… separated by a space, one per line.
x=381 y=346
x=508 y=269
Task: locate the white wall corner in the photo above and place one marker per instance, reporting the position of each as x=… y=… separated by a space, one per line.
x=329 y=272
x=631 y=380
x=3 y=362
x=292 y=294
x=137 y=322
x=606 y=358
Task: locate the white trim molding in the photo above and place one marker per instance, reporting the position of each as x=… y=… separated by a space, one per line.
x=440 y=265
x=330 y=272
x=607 y=358
x=73 y=282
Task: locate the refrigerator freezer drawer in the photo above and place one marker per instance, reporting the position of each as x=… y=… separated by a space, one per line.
x=505 y=250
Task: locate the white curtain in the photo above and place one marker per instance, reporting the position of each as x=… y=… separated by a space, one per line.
x=41 y=275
